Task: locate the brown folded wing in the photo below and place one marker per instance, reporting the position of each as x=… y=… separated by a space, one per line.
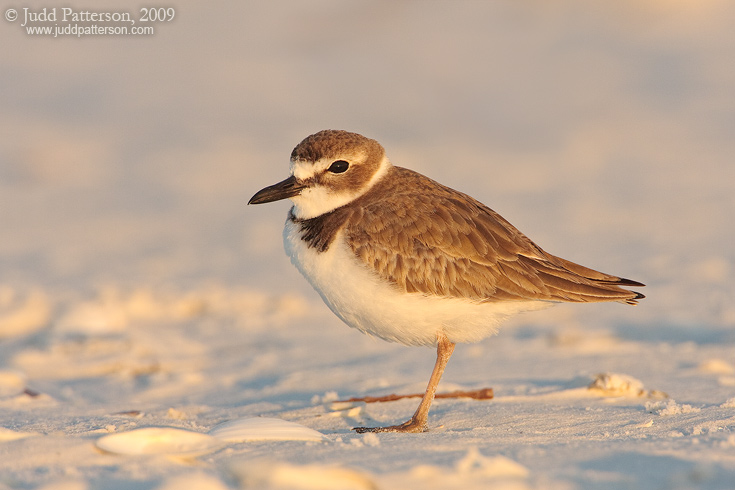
x=446 y=243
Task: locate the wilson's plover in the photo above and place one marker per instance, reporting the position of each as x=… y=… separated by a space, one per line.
x=401 y=257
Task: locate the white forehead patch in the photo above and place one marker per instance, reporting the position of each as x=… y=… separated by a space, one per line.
x=304 y=170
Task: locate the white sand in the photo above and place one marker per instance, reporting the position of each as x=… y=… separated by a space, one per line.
x=138 y=291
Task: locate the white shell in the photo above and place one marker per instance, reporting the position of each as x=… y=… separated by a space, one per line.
x=159 y=440
x=264 y=429
x=613 y=384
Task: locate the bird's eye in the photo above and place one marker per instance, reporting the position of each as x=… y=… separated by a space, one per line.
x=339 y=166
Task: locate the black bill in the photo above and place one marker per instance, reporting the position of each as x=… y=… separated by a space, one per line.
x=282 y=190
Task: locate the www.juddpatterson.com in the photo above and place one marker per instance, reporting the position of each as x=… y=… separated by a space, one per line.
x=66 y=21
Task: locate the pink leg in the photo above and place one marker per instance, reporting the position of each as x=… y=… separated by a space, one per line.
x=418 y=422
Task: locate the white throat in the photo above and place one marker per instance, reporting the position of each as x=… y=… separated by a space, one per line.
x=318 y=199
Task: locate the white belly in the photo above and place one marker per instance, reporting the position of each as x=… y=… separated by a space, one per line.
x=364 y=301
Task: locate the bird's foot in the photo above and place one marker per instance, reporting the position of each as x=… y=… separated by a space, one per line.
x=412 y=425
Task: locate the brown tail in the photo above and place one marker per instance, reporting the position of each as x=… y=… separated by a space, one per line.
x=573 y=282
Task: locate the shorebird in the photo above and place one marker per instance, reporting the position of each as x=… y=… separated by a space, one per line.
x=401 y=257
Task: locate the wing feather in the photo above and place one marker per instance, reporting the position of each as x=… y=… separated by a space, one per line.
x=445 y=243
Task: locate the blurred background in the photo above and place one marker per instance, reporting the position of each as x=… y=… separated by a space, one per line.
x=604 y=131
x=137 y=288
